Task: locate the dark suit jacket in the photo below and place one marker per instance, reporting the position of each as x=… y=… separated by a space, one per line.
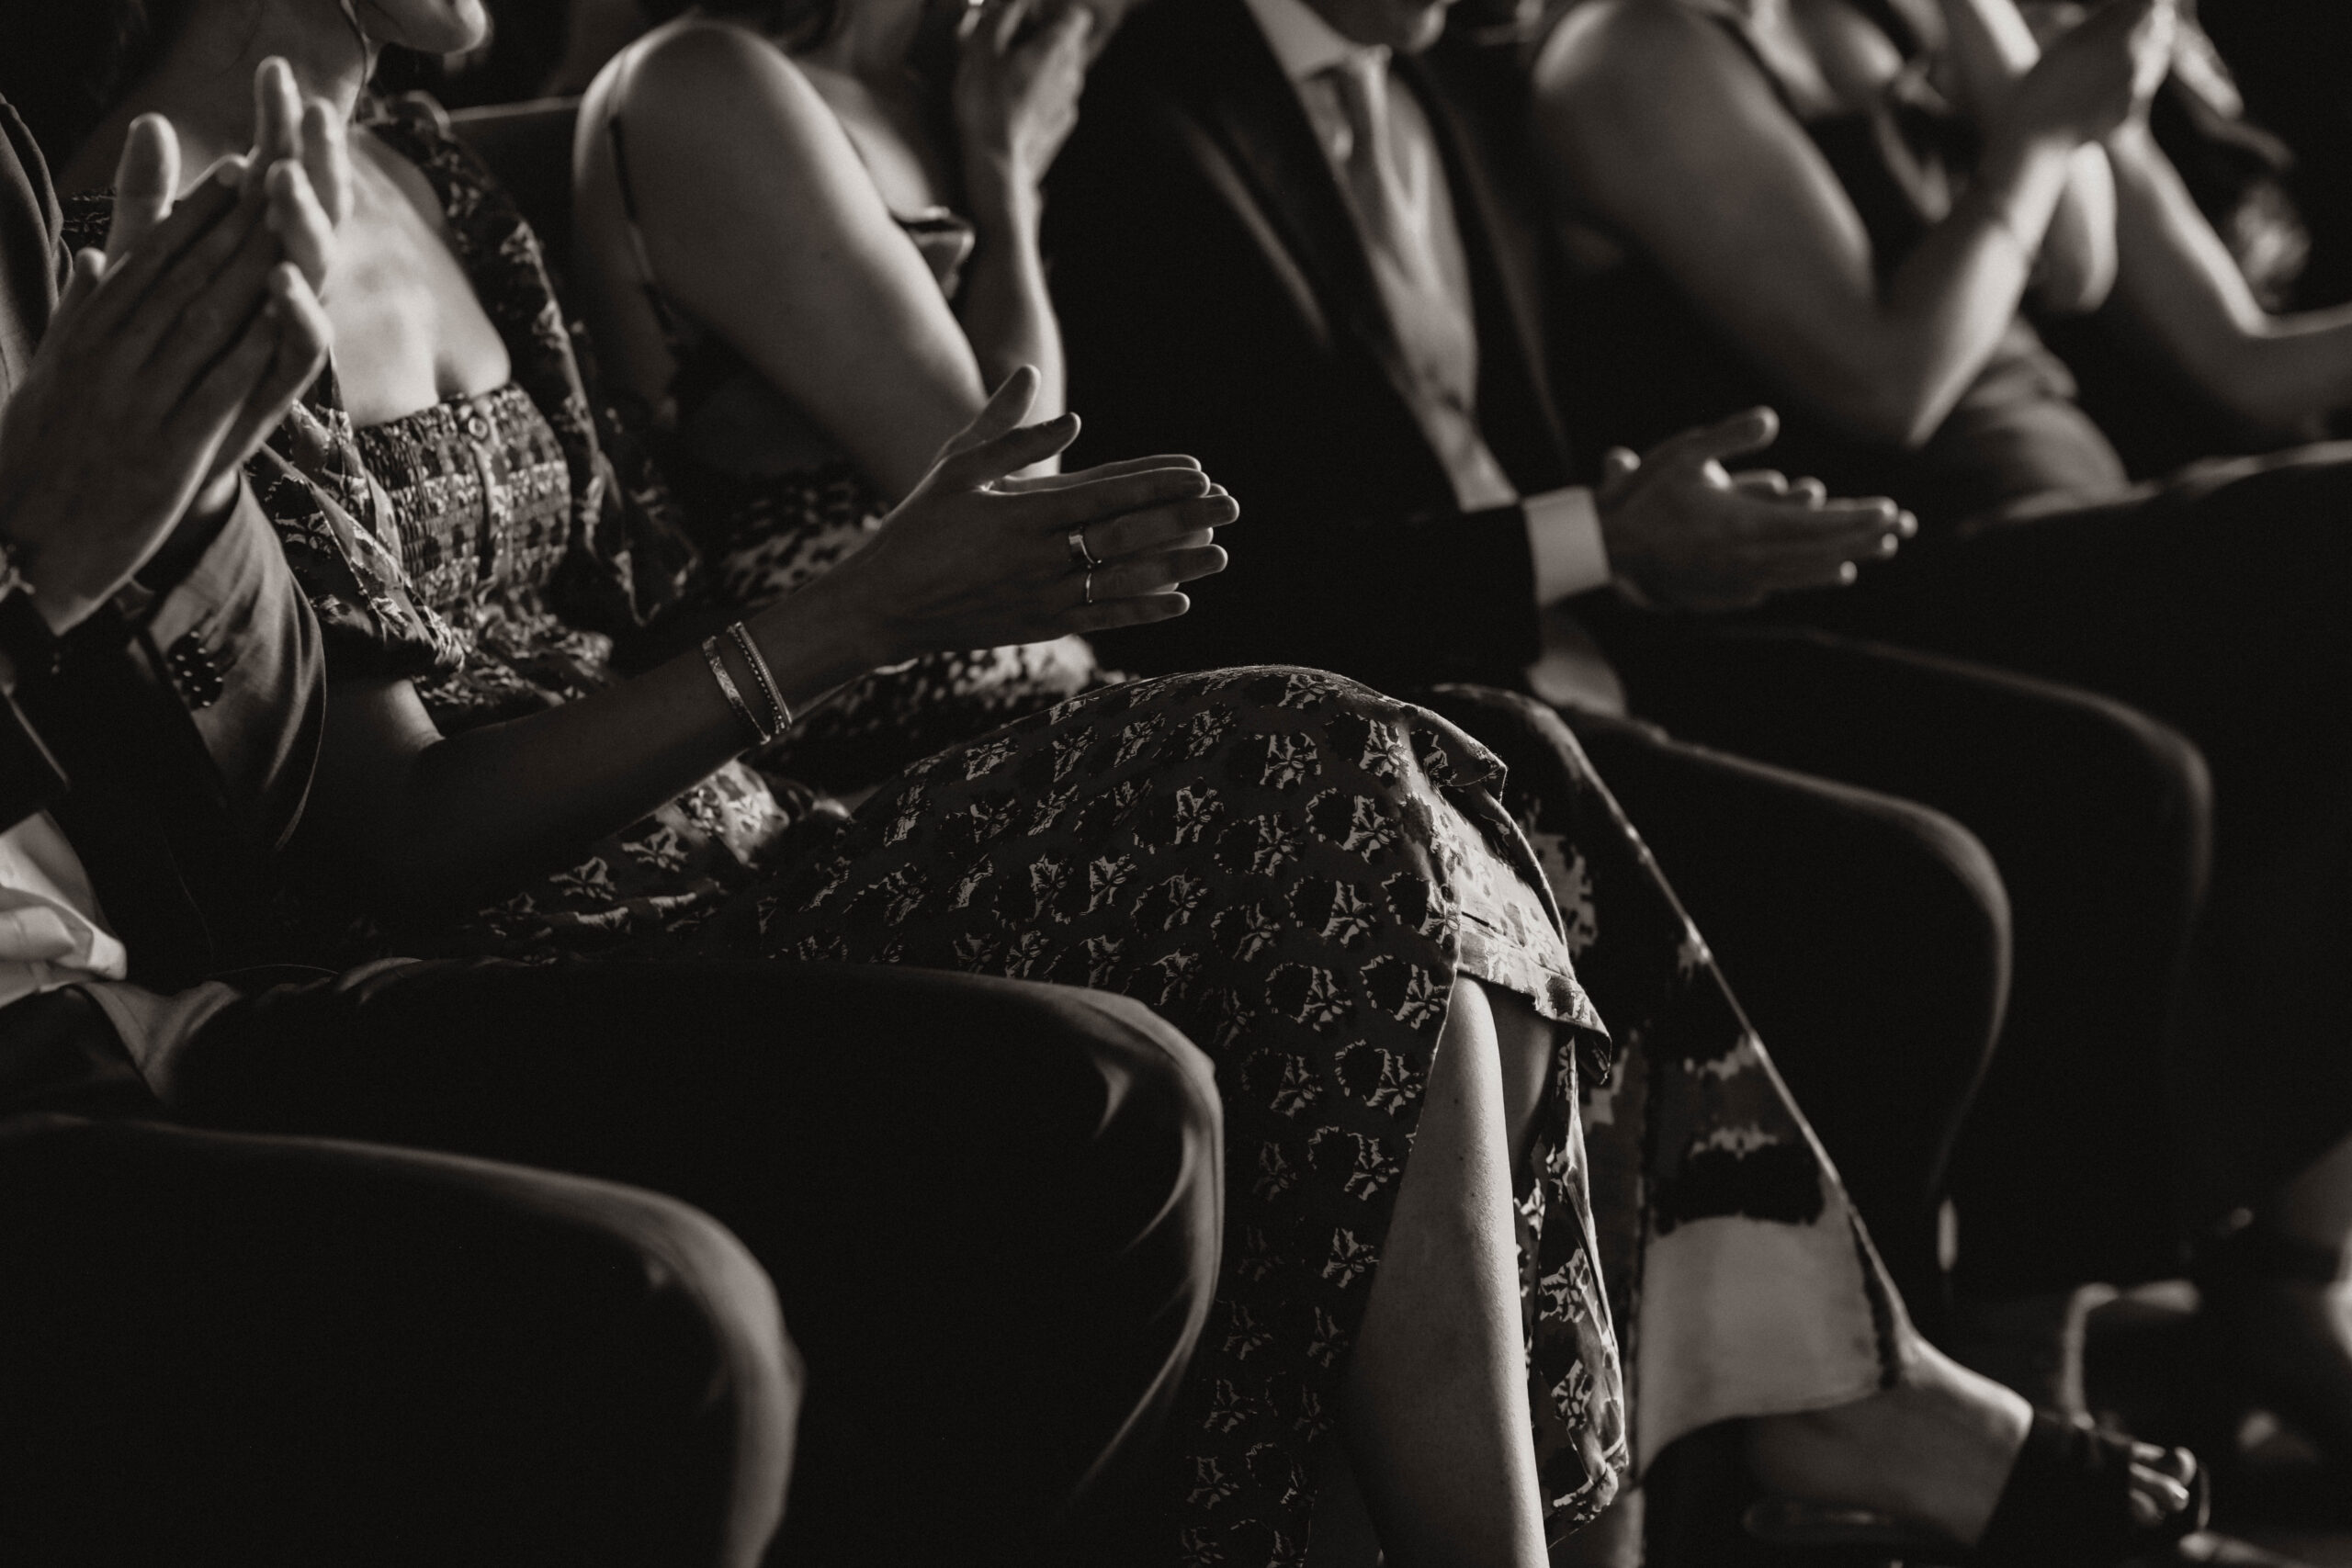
x=1216 y=300
x=188 y=716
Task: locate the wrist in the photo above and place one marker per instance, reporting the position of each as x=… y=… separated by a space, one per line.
x=1003 y=198
x=821 y=637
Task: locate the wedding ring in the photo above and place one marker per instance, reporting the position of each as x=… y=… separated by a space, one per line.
x=1079 y=556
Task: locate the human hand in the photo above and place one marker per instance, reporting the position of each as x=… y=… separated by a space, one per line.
x=977 y=558
x=2097 y=77
x=152 y=360
x=1684 y=535
x=1015 y=99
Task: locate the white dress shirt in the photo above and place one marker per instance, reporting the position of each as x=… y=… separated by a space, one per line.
x=1423 y=273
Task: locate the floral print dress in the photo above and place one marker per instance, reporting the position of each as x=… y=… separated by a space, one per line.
x=1290 y=867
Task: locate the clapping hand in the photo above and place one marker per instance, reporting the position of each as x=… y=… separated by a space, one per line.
x=171 y=354
x=2097 y=77
x=1016 y=95
x=976 y=558
x=1682 y=534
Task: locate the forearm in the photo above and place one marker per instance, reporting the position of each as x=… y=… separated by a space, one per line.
x=1948 y=305
x=1991 y=47
x=466 y=814
x=2181 y=287
x=1006 y=310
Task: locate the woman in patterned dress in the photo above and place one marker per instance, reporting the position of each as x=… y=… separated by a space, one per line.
x=1318 y=882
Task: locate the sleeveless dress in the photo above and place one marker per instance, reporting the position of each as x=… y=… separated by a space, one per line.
x=1641 y=361
x=774 y=501
x=1289 y=867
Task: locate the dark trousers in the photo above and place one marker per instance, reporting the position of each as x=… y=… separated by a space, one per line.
x=990 y=1210
x=2219 y=606
x=218 y=1349
x=2096 y=817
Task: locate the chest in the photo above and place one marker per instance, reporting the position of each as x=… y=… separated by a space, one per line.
x=409 y=331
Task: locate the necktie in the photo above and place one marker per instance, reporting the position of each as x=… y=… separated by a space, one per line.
x=1389 y=186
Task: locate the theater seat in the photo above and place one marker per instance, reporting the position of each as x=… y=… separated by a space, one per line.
x=528 y=147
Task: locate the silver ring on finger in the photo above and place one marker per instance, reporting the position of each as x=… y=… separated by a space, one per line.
x=1079 y=556
x=1090 y=585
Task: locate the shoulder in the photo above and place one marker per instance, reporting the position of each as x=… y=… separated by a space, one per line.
x=1636 y=53
x=1629 y=77
x=694 y=68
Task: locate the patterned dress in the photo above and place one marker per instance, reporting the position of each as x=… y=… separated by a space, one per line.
x=1291 y=868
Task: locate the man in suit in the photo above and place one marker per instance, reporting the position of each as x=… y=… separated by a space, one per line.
x=419 y=1264
x=1275 y=243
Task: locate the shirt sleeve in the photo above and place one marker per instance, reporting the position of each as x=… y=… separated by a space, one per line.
x=1564 y=538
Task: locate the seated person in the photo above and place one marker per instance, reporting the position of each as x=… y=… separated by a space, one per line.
x=1894 y=205
x=1317 y=881
x=236 y=1341
x=1356 y=342
x=795 y=382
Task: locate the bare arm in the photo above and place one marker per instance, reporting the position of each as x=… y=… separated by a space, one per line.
x=972 y=560
x=1652 y=120
x=773 y=238
x=1992 y=49
x=2180 y=285
x=1016 y=100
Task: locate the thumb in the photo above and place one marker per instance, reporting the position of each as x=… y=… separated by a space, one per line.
x=1005 y=410
x=1617 y=463
x=1750 y=431
x=146 y=181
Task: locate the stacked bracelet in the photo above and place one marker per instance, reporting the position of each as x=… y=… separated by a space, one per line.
x=717 y=662
x=781 y=715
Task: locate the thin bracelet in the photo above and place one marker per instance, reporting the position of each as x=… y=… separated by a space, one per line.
x=764 y=675
x=727 y=689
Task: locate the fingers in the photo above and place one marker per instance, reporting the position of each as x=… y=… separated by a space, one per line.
x=982 y=467
x=146 y=179
x=1058 y=510
x=1025 y=484
x=327 y=159
x=304 y=337
x=300 y=220
x=1750 y=431
x=1006 y=408
x=80 y=282
x=134 y=273
x=1086 y=619
x=1141 y=576
x=278 y=114
x=1760 y=481
x=204 y=307
x=1160 y=527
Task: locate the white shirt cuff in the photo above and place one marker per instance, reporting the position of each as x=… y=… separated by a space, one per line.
x=1563 y=535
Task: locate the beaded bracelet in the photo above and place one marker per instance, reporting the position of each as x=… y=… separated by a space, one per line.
x=764 y=675
x=734 y=698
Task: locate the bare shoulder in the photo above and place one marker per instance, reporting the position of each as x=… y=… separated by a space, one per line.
x=1603 y=40
x=692 y=75
x=1624 y=78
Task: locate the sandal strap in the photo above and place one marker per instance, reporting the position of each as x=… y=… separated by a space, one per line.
x=2068 y=1503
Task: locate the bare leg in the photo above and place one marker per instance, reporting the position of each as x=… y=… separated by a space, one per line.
x=1935 y=1450
x=1435 y=1412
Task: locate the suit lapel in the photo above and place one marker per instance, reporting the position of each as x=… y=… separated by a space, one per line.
x=1250 y=111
